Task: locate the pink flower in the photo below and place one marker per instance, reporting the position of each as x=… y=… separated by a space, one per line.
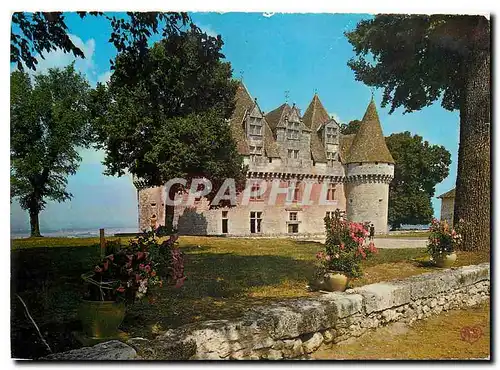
x=328 y=257
x=120 y=289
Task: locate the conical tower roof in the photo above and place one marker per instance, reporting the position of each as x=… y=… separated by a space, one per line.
x=315 y=114
x=369 y=143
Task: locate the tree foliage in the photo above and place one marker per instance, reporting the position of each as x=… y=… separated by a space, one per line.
x=418 y=59
x=418 y=168
x=34 y=34
x=49 y=119
x=166 y=117
x=350 y=128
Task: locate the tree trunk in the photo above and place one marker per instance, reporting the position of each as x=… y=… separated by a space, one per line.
x=34 y=223
x=169 y=210
x=472 y=199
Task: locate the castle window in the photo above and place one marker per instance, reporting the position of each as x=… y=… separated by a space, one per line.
x=330 y=157
x=330 y=214
x=292 y=216
x=153 y=204
x=225 y=222
x=330 y=195
x=293 y=194
x=293 y=228
x=255 y=152
x=256 y=188
x=293 y=130
x=293 y=153
x=270 y=160
x=331 y=135
x=255 y=222
x=255 y=127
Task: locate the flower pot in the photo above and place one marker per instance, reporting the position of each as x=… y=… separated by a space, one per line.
x=101 y=319
x=335 y=281
x=446 y=260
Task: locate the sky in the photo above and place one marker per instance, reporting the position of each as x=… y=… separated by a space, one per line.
x=272 y=53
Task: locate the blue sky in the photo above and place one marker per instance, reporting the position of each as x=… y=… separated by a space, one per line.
x=299 y=53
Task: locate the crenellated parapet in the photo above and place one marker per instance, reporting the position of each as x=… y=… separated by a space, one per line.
x=369 y=178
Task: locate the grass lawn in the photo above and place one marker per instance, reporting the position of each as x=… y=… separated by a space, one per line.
x=406 y=235
x=225 y=276
x=438 y=338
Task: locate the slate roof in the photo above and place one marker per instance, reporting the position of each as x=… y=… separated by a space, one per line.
x=273 y=118
x=369 y=143
x=244 y=105
x=314 y=117
x=448 y=194
x=345 y=142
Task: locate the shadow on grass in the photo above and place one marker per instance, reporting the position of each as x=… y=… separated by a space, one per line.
x=219 y=285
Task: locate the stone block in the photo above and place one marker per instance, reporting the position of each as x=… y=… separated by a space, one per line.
x=381 y=296
x=311 y=343
x=107 y=351
x=344 y=305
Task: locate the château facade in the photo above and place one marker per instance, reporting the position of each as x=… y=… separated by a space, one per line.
x=304 y=154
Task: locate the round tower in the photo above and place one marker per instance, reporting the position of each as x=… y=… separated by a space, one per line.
x=150 y=204
x=369 y=170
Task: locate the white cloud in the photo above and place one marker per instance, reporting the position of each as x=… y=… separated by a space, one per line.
x=59 y=59
x=104 y=77
x=335 y=116
x=208 y=30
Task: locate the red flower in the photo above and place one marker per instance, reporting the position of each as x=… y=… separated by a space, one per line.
x=120 y=289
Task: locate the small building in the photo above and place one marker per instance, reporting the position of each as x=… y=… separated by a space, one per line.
x=447 y=205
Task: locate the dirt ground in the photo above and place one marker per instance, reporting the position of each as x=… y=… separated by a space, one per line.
x=458 y=334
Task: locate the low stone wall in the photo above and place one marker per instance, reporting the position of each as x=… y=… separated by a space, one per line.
x=295 y=328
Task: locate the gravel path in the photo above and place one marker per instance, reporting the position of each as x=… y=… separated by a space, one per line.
x=395 y=243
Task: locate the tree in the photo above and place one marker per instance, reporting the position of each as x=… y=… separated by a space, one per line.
x=49 y=119
x=166 y=117
x=41 y=32
x=418 y=168
x=418 y=59
x=350 y=128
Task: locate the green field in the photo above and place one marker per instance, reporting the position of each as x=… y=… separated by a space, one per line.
x=225 y=276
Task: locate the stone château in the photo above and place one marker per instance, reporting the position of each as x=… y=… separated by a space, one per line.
x=304 y=153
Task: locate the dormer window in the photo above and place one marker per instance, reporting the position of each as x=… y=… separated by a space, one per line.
x=293 y=153
x=255 y=126
x=330 y=157
x=331 y=135
x=293 y=130
x=255 y=152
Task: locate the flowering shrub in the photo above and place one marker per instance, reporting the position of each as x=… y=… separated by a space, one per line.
x=131 y=272
x=345 y=246
x=443 y=239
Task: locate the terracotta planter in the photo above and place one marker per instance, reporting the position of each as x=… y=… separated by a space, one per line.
x=335 y=281
x=446 y=260
x=101 y=319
